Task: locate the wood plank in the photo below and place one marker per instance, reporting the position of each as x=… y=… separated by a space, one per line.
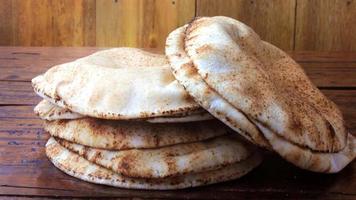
x=22 y=64
x=276 y=27
x=17 y=93
x=140 y=23
x=332 y=75
x=324 y=75
x=6 y=22
x=325 y=25
x=53 y=23
x=323 y=56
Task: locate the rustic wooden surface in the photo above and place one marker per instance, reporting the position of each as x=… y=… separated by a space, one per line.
x=322 y=25
x=26 y=172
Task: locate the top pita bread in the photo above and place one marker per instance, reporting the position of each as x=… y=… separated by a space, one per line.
x=121 y=83
x=223 y=64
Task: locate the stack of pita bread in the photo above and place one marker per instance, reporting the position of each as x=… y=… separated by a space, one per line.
x=195 y=116
x=118 y=117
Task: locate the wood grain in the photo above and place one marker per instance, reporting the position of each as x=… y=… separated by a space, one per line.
x=22 y=64
x=273 y=20
x=140 y=23
x=6 y=22
x=53 y=23
x=326 y=25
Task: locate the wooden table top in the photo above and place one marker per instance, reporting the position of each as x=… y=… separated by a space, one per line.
x=26 y=172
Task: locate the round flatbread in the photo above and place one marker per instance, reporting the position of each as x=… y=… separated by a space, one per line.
x=120 y=83
x=194 y=117
x=264 y=83
x=119 y=135
x=168 y=161
x=311 y=160
x=49 y=111
x=227 y=69
x=184 y=71
x=76 y=166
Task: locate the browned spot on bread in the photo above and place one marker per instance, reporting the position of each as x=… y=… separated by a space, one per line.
x=204 y=49
x=197 y=22
x=189 y=69
x=97 y=156
x=127 y=164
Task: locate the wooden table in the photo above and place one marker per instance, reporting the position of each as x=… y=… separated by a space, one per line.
x=26 y=172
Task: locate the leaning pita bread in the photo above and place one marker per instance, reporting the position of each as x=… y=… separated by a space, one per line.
x=49 y=111
x=184 y=71
x=167 y=161
x=307 y=159
x=113 y=134
x=266 y=85
x=74 y=165
x=121 y=83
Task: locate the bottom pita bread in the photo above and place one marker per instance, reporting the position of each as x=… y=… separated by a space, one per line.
x=169 y=161
x=76 y=166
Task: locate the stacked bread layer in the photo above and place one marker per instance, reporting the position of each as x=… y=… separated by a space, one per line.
x=138 y=130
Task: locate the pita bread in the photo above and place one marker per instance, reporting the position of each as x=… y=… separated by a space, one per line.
x=194 y=117
x=264 y=83
x=121 y=83
x=307 y=159
x=231 y=63
x=167 y=161
x=49 y=111
x=76 y=166
x=119 y=135
x=186 y=74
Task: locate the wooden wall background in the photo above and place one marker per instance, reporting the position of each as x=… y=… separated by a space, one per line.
x=323 y=25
